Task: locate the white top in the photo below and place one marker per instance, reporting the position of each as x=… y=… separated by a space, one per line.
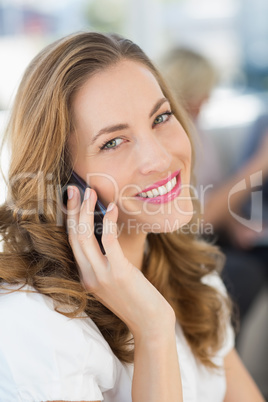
x=45 y=356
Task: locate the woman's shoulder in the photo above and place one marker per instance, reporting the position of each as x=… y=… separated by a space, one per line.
x=24 y=303
x=23 y=308
x=17 y=297
x=37 y=342
x=214 y=280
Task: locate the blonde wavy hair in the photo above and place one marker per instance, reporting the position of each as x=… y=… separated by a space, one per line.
x=36 y=250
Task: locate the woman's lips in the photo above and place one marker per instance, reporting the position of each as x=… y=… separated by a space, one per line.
x=161 y=182
x=169 y=196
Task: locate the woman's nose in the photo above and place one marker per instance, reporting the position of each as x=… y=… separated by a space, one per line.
x=153 y=156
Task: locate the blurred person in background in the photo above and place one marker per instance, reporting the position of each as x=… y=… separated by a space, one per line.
x=244 y=237
x=192 y=77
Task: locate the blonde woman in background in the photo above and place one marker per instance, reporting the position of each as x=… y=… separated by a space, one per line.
x=191 y=77
x=140 y=313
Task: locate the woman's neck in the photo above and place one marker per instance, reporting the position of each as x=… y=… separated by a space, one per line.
x=133 y=246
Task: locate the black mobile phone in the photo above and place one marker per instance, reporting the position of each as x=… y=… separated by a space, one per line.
x=100 y=209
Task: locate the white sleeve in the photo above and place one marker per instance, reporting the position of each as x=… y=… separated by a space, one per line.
x=45 y=356
x=215 y=281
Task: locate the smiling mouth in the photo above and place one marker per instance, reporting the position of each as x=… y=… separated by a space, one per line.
x=162 y=190
x=166 y=191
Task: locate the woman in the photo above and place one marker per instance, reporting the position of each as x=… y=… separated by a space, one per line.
x=149 y=315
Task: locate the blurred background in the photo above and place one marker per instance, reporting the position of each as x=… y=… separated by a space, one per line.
x=232 y=34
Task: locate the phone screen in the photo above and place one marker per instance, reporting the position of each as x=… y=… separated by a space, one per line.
x=99 y=212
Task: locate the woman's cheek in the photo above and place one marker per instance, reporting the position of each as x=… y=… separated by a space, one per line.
x=106 y=187
x=184 y=150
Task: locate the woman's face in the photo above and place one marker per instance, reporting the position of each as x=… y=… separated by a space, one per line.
x=131 y=149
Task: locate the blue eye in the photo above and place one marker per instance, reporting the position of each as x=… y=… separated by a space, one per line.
x=114 y=143
x=162 y=118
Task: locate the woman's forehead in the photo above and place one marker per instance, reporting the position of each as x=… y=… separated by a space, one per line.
x=115 y=91
x=118 y=82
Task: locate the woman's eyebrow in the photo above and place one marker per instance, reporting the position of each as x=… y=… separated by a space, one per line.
x=118 y=127
x=157 y=106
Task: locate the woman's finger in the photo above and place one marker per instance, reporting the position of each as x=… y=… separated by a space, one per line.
x=110 y=241
x=86 y=236
x=73 y=212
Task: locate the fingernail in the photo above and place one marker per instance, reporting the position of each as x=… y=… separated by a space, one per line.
x=70 y=192
x=87 y=194
x=110 y=206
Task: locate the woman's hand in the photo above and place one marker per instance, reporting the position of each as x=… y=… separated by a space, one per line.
x=117 y=283
x=121 y=287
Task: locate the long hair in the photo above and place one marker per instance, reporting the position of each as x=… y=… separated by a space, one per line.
x=36 y=250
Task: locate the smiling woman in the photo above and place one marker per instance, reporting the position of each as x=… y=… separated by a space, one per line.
x=150 y=316
x=143 y=147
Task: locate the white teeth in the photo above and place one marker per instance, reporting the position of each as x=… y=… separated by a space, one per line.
x=169 y=186
x=149 y=194
x=162 y=190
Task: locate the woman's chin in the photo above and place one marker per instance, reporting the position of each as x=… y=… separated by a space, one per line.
x=173 y=225
x=162 y=222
